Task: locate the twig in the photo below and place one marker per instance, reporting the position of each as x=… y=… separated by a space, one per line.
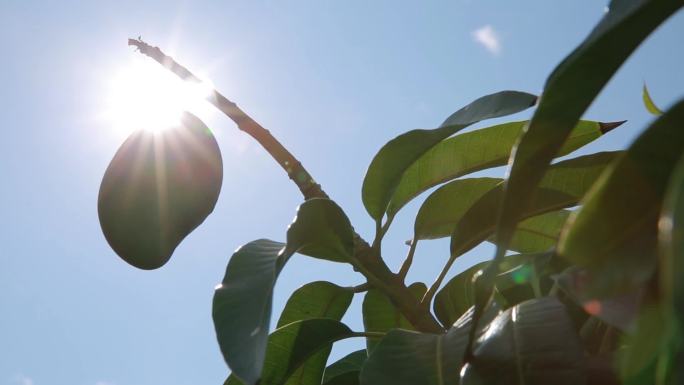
x=409 y=260
x=365 y=259
x=359 y=288
x=295 y=170
x=377 y=335
x=427 y=298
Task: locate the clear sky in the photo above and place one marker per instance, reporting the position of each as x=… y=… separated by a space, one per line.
x=333 y=80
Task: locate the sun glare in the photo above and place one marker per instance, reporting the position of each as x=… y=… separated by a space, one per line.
x=144 y=95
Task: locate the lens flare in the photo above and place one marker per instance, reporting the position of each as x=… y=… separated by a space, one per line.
x=143 y=95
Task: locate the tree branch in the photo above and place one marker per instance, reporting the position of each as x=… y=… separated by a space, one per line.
x=366 y=260
x=409 y=259
x=295 y=170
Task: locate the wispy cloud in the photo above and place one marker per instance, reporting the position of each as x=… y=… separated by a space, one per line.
x=21 y=379
x=488 y=38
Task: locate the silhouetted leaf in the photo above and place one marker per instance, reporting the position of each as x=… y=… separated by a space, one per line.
x=242 y=303
x=474 y=151
x=321 y=230
x=614 y=233
x=408 y=358
x=157 y=189
x=532 y=343
x=653 y=353
x=380 y=314
x=346 y=370
x=671 y=236
x=648 y=102
x=568 y=92
x=389 y=164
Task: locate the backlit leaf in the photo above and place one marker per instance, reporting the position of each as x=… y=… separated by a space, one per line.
x=568 y=92
x=475 y=151
x=389 y=164
x=648 y=102
x=614 y=233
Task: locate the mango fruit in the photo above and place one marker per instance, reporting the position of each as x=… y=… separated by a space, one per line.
x=157 y=189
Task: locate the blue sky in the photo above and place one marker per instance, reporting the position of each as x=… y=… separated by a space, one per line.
x=332 y=80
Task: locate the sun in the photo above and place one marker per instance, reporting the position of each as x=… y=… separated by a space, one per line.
x=143 y=95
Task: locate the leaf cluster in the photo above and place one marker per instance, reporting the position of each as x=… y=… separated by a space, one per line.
x=583 y=288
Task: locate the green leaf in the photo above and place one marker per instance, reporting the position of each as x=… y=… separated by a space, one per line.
x=650 y=353
x=534 y=342
x=564 y=185
x=649 y=104
x=293 y=344
x=408 y=358
x=475 y=151
x=539 y=233
x=614 y=233
x=346 y=370
x=380 y=314
x=242 y=303
x=242 y=306
x=321 y=230
x=389 y=164
x=157 y=189
x=458 y=295
x=440 y=212
x=314 y=300
x=318 y=299
x=671 y=246
x=569 y=91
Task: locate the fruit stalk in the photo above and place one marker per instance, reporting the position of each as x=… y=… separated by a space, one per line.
x=366 y=259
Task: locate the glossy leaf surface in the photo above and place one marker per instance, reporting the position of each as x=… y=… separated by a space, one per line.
x=533 y=343
x=157 y=189
x=242 y=303
x=242 y=307
x=389 y=164
x=407 y=358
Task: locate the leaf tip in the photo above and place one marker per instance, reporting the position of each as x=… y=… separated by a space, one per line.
x=609 y=126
